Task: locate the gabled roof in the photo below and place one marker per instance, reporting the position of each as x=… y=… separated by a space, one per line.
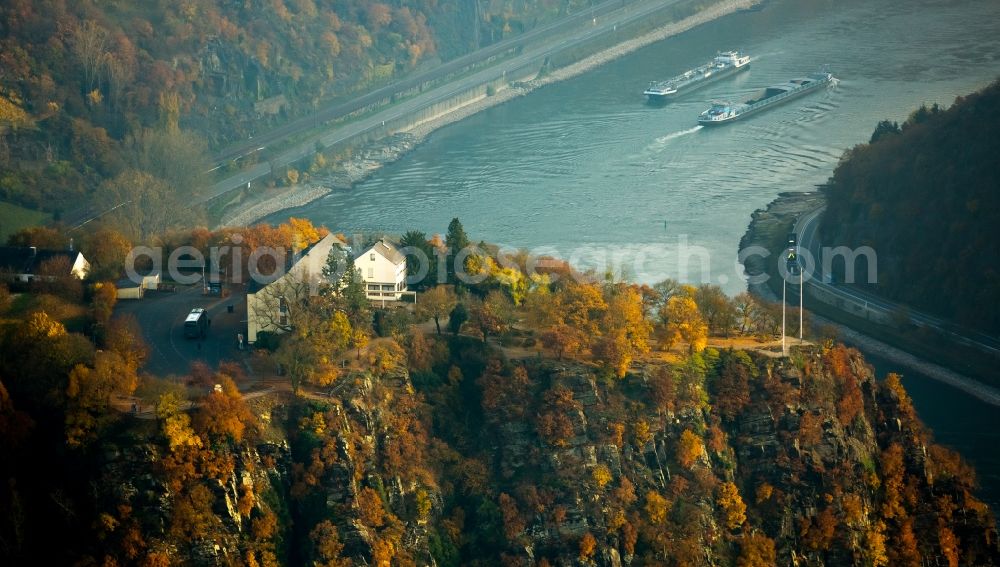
x=387 y=250
x=309 y=261
x=26 y=259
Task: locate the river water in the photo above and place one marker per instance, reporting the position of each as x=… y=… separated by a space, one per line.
x=586 y=170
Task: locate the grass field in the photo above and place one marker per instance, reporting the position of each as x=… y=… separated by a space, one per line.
x=13 y=218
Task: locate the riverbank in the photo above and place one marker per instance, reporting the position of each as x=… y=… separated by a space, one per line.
x=356 y=168
x=352 y=170
x=768 y=228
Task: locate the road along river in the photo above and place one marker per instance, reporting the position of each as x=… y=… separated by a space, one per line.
x=585 y=163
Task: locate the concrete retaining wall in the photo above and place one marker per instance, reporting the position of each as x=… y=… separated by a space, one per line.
x=854 y=307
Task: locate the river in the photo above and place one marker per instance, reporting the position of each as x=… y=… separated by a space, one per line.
x=584 y=169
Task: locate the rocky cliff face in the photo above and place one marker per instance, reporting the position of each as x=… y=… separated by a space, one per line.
x=806 y=461
x=723 y=459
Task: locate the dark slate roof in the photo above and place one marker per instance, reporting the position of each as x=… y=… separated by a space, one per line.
x=25 y=260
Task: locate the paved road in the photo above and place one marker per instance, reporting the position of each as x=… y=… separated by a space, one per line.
x=606 y=18
x=161 y=316
x=807 y=228
x=338 y=109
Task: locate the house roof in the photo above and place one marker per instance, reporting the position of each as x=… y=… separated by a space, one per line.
x=27 y=259
x=322 y=247
x=388 y=251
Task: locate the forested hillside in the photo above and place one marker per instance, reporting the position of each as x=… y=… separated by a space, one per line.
x=542 y=419
x=91 y=89
x=926 y=197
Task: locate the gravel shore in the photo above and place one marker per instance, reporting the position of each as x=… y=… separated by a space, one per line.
x=244 y=216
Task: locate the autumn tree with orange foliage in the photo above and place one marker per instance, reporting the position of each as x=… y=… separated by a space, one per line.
x=564 y=340
x=756 y=550
x=588 y=545
x=437 y=303
x=553 y=423
x=894 y=385
x=106 y=250
x=513 y=525
x=903 y=549
x=493 y=315
x=223 y=414
x=370 y=509
x=810 y=429
x=90 y=393
x=504 y=391
x=731 y=387
x=326 y=545
x=818 y=532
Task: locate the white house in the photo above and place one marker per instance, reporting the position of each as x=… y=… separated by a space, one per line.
x=383 y=268
x=26 y=263
x=270 y=304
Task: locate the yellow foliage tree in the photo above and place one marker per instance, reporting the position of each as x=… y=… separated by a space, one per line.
x=689 y=449
x=657 y=507
x=601 y=475
x=175 y=424
x=304 y=233
x=90 y=392
x=641 y=433
x=875 y=545
x=12 y=116
x=682 y=322
x=582 y=307
x=626 y=331
x=732 y=506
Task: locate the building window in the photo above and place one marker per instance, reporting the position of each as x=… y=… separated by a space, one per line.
x=371 y=256
x=371 y=273
x=282 y=312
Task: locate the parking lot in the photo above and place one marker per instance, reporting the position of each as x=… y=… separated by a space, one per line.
x=161 y=316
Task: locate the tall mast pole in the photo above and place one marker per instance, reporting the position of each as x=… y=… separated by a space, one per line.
x=801 y=293
x=783 y=285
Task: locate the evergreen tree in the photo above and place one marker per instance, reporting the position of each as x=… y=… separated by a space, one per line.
x=458 y=316
x=456 y=240
x=414 y=263
x=353 y=300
